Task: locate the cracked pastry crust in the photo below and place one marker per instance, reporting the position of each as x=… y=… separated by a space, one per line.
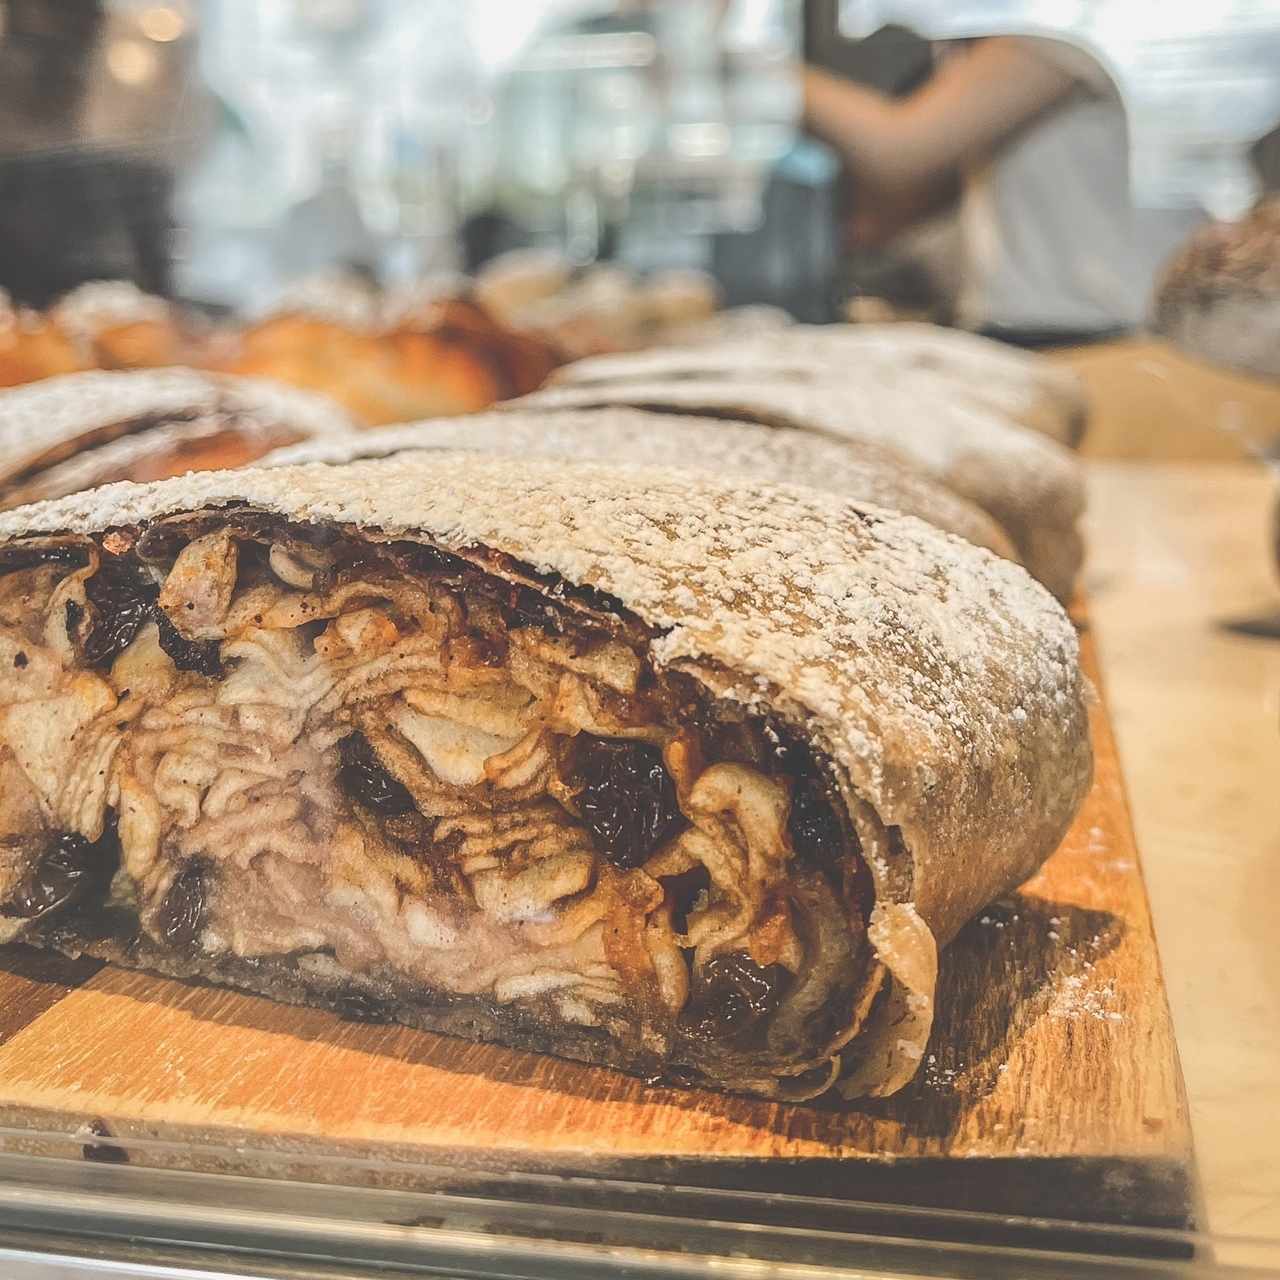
x=256 y=730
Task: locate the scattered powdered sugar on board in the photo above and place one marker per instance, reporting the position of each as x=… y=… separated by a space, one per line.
x=1081 y=995
x=941 y=1075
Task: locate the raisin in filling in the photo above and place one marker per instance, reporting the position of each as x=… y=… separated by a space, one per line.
x=72 y=872
x=200 y=656
x=123 y=600
x=366 y=781
x=817 y=834
x=627 y=798
x=734 y=996
x=546 y=853
x=182 y=911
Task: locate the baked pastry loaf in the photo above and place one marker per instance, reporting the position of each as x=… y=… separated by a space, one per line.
x=1033 y=488
x=31 y=347
x=940 y=365
x=604 y=308
x=376 y=380
x=1219 y=297
x=448 y=358
x=623 y=764
x=72 y=432
x=116 y=325
x=632 y=437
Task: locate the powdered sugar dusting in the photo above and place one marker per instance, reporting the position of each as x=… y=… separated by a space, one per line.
x=1033 y=487
x=937 y=359
x=637 y=438
x=940 y=367
x=939 y=444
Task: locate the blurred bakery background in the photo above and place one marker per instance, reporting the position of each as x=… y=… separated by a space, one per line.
x=419 y=207
x=221 y=151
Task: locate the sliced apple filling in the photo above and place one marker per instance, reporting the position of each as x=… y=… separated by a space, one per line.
x=410 y=776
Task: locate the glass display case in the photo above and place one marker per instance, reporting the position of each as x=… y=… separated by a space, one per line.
x=71 y=1215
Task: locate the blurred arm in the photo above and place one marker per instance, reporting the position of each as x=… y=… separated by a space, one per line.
x=972 y=103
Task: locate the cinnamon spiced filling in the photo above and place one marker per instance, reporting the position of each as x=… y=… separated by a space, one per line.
x=414 y=774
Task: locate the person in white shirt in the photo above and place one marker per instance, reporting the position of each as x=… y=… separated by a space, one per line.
x=1053 y=246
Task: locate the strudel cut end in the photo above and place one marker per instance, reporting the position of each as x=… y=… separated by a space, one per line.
x=637 y=767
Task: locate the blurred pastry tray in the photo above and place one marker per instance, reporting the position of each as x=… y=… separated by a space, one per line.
x=1051 y=1086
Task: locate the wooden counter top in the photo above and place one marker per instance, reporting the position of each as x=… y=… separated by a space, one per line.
x=1151 y=403
x=1176 y=550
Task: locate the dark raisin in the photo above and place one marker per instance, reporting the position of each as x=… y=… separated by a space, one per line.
x=627 y=798
x=683 y=892
x=180 y=918
x=363 y=777
x=411 y=831
x=817 y=834
x=733 y=995
x=491 y=650
x=16 y=558
x=426 y=560
x=354 y=1005
x=73 y=613
x=201 y=656
x=526 y=608
x=123 y=600
x=20 y=660
x=72 y=872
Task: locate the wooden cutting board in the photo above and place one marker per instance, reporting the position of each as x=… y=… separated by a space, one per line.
x=1051 y=1085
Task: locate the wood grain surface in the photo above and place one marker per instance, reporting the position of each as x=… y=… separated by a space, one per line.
x=1051 y=1084
x=1149 y=402
x=1182 y=580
